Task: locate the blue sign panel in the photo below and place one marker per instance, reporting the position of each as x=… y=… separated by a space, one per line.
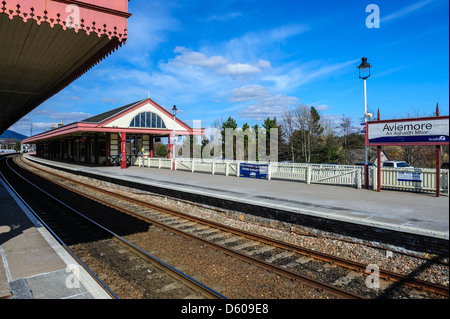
x=253 y=170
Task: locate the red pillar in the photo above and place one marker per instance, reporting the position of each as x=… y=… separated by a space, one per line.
x=123 y=149
x=438 y=163
x=438 y=171
x=150 y=152
x=378 y=168
x=378 y=161
x=108 y=149
x=170 y=148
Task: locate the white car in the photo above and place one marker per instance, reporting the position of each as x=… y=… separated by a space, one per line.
x=396 y=164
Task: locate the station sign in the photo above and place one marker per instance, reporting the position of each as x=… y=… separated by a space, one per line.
x=409 y=176
x=419 y=131
x=253 y=170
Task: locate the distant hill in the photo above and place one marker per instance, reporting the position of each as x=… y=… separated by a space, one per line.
x=12 y=134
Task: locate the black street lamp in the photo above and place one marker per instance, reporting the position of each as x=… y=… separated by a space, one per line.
x=364 y=69
x=364 y=73
x=171 y=151
x=174 y=110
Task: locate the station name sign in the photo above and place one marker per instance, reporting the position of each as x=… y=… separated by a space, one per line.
x=420 y=131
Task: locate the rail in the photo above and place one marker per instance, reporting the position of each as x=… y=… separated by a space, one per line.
x=171 y=271
x=405 y=279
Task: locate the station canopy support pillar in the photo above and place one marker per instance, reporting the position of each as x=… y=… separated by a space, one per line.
x=123 y=150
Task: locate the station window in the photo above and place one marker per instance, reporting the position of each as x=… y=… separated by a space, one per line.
x=147 y=119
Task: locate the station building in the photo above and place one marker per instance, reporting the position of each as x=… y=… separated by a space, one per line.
x=119 y=136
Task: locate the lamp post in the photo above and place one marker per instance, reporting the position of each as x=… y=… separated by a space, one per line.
x=364 y=73
x=171 y=152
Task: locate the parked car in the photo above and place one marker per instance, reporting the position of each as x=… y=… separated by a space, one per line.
x=369 y=164
x=396 y=164
x=445 y=165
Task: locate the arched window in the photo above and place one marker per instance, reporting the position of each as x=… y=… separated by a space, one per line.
x=147 y=119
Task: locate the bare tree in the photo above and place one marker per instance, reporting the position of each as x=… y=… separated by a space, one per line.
x=307 y=121
x=345 y=126
x=287 y=123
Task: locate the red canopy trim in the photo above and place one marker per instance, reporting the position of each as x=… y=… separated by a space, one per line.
x=75 y=14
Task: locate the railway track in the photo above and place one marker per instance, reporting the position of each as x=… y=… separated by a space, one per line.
x=343 y=278
x=82 y=237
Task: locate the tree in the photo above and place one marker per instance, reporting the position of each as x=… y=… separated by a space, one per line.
x=230 y=123
x=345 y=126
x=161 y=150
x=288 y=126
x=307 y=121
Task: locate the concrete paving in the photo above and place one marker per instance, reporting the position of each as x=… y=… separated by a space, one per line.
x=33 y=265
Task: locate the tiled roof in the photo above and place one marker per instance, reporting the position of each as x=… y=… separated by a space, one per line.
x=101 y=117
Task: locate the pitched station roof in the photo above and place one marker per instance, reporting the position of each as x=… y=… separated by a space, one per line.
x=104 y=123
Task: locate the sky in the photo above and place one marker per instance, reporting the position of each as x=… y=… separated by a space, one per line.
x=253 y=59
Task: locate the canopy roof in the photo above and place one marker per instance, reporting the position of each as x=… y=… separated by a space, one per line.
x=47 y=44
x=121 y=120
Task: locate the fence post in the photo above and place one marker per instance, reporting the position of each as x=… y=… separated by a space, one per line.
x=159 y=163
x=226 y=168
x=269 y=171
x=446 y=182
x=358 y=179
x=308 y=174
x=192 y=167
x=171 y=163
x=375 y=178
x=213 y=167
x=238 y=169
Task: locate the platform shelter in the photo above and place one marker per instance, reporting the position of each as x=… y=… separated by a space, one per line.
x=119 y=136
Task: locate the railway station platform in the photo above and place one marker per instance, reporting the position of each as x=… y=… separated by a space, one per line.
x=33 y=265
x=400 y=217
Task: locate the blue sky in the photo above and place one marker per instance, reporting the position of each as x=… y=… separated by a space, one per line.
x=253 y=59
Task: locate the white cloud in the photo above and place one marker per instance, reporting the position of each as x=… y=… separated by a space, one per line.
x=224 y=17
x=239 y=69
x=285 y=32
x=198 y=59
x=322 y=107
x=251 y=44
x=291 y=76
x=249 y=92
x=263 y=64
x=270 y=106
x=111 y=100
x=405 y=11
x=69 y=117
x=218 y=63
x=264 y=103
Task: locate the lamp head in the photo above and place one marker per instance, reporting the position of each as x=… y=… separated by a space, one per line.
x=364 y=69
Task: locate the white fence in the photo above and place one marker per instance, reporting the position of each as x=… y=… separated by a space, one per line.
x=341 y=175
x=427 y=183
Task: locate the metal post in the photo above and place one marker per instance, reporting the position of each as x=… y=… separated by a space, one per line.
x=378 y=168
x=378 y=161
x=438 y=163
x=366 y=167
x=438 y=170
x=173 y=142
